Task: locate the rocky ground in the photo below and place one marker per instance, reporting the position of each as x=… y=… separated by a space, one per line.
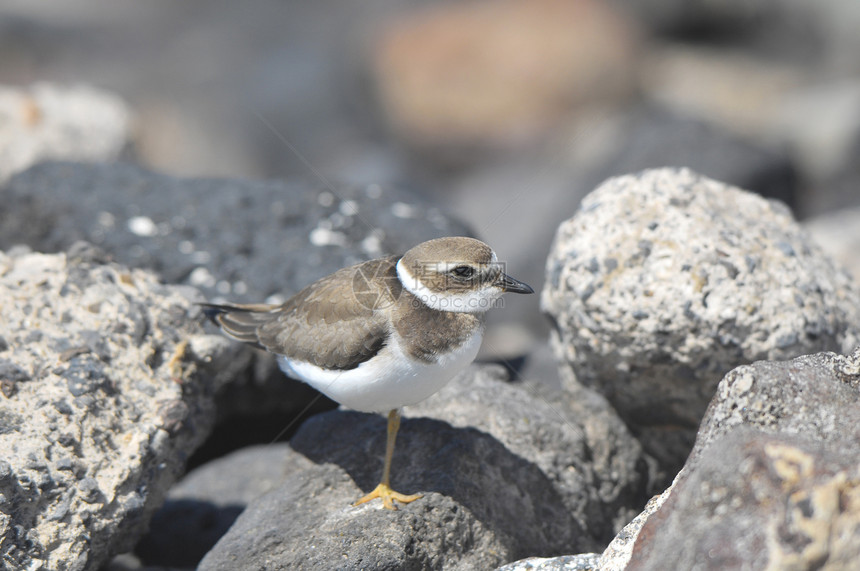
x=695 y=404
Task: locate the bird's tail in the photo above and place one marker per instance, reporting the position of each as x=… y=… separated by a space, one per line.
x=239 y=321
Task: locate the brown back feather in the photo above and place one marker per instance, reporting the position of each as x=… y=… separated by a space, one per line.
x=335 y=323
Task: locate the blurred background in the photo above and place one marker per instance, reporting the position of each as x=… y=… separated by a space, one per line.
x=504 y=111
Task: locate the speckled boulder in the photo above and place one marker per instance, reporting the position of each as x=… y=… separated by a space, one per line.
x=666 y=280
x=106 y=388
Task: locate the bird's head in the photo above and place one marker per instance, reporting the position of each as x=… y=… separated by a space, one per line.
x=456 y=274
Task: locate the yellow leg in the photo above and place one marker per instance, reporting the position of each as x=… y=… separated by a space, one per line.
x=383 y=490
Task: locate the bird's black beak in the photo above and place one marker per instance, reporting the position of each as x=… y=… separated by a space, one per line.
x=509 y=284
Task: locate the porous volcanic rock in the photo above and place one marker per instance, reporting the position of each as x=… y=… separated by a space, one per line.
x=107 y=388
x=666 y=280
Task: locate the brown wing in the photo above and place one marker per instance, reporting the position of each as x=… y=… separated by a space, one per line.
x=338 y=322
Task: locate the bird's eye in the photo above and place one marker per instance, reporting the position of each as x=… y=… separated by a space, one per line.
x=463 y=271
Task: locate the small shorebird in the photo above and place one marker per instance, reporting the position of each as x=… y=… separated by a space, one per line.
x=382 y=334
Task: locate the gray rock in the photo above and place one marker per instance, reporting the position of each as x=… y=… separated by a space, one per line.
x=759 y=501
x=581 y=562
x=777 y=452
x=110 y=404
x=665 y=280
x=577 y=441
x=814 y=396
x=52 y=122
x=204 y=504
x=504 y=475
x=309 y=523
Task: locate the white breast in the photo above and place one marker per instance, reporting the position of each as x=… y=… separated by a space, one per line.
x=389 y=380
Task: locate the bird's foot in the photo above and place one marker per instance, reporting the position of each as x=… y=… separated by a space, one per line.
x=388 y=496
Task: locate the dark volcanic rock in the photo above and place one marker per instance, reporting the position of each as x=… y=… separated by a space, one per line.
x=483 y=505
x=108 y=388
x=664 y=281
x=504 y=475
x=239 y=240
x=309 y=523
x=205 y=503
x=578 y=441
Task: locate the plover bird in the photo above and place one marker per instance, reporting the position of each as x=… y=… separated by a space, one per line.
x=382 y=334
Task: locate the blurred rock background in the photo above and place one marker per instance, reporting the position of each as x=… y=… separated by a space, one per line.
x=503 y=113
x=507 y=112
